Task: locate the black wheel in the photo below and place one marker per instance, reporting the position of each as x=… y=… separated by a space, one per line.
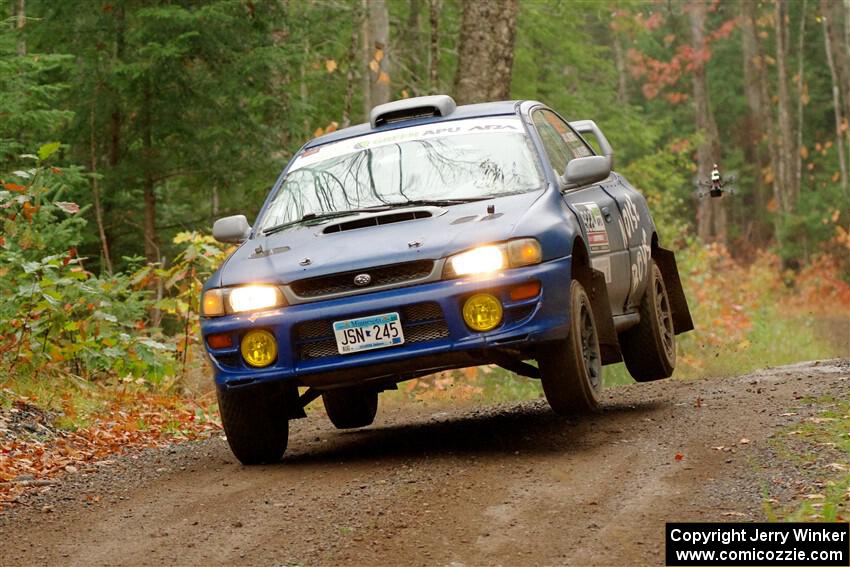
x=348 y=408
x=649 y=348
x=571 y=369
x=255 y=423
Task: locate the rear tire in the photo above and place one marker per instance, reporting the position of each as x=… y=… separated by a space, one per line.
x=571 y=369
x=649 y=348
x=255 y=423
x=348 y=408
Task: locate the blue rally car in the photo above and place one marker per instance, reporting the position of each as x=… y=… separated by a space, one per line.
x=436 y=237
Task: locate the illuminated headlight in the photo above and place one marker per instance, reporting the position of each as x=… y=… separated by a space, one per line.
x=494 y=257
x=217 y=302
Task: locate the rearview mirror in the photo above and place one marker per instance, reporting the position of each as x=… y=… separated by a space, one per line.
x=581 y=171
x=233 y=229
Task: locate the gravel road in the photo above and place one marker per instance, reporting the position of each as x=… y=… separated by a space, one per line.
x=511 y=484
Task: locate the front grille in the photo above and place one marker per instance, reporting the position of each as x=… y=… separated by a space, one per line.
x=421 y=322
x=381 y=276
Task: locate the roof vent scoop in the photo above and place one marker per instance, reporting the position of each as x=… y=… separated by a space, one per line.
x=411 y=108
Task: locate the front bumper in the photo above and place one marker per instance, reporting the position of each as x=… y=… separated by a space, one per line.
x=526 y=322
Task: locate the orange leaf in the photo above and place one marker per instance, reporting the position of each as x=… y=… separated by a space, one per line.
x=383 y=78
x=772 y=206
x=29 y=211
x=330 y=65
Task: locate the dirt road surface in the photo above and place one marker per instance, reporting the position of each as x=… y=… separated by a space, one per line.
x=505 y=485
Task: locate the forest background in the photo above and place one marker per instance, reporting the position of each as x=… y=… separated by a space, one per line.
x=127 y=127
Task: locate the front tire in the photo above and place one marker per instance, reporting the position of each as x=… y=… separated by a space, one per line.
x=649 y=348
x=571 y=369
x=348 y=408
x=255 y=423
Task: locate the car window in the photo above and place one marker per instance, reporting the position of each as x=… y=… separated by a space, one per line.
x=559 y=140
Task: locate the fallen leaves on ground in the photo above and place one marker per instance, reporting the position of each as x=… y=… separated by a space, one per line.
x=132 y=421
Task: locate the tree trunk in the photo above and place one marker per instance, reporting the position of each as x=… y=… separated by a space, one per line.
x=351 y=62
x=836 y=98
x=763 y=146
x=378 y=20
x=21 y=24
x=786 y=142
x=620 y=62
x=95 y=187
x=214 y=201
x=486 y=51
x=835 y=15
x=148 y=189
x=836 y=21
x=798 y=170
x=711 y=212
x=366 y=53
x=302 y=88
x=410 y=41
x=435 y=7
x=116 y=117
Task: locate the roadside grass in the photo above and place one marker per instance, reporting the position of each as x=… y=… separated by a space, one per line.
x=818 y=450
x=72 y=401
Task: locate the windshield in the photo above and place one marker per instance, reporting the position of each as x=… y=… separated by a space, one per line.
x=457 y=160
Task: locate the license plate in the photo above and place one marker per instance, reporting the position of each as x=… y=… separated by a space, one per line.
x=367 y=333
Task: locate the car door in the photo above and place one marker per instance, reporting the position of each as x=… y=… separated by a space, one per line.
x=636 y=226
x=597 y=211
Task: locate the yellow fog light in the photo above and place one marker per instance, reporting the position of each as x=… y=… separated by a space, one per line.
x=259 y=348
x=482 y=312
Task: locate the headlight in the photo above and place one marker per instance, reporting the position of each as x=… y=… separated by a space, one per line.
x=217 y=302
x=494 y=257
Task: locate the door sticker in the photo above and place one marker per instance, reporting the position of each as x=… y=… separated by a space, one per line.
x=640 y=266
x=597 y=234
x=630 y=220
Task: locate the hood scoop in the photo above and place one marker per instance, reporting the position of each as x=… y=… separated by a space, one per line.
x=378 y=220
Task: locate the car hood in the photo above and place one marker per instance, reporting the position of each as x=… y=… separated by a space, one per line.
x=307 y=251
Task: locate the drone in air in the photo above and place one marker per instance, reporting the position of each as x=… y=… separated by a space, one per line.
x=717 y=185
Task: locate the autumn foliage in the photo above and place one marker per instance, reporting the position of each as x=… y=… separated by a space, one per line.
x=132 y=420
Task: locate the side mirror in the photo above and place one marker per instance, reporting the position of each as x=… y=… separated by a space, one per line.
x=581 y=171
x=585 y=127
x=233 y=229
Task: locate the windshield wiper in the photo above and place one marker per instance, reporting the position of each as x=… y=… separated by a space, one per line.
x=437 y=202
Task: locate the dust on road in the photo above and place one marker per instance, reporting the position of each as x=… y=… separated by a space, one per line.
x=511 y=484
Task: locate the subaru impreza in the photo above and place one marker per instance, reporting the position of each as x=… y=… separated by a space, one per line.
x=437 y=237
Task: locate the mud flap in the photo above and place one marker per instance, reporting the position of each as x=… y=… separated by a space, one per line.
x=608 y=342
x=666 y=261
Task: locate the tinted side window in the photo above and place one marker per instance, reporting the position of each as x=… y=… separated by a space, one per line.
x=556 y=133
x=556 y=148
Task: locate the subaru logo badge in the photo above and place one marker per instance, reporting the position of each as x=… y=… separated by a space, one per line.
x=361 y=280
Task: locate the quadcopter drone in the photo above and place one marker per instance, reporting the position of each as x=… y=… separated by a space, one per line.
x=717 y=185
